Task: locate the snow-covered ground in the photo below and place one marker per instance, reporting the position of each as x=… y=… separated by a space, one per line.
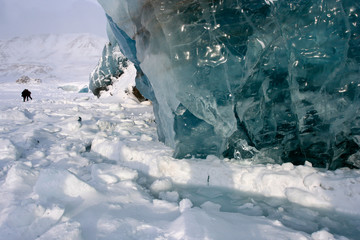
x=107 y=176
x=57 y=58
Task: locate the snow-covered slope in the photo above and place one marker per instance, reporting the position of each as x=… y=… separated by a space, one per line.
x=57 y=57
x=106 y=176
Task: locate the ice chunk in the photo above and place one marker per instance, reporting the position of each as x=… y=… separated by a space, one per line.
x=169 y=196
x=109 y=149
x=210 y=206
x=63 y=186
x=322 y=235
x=161 y=185
x=112 y=173
x=236 y=78
x=7 y=150
x=185 y=204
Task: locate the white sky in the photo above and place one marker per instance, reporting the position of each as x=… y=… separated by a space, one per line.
x=28 y=17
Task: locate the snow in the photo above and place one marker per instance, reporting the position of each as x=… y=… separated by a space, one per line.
x=108 y=177
x=53 y=57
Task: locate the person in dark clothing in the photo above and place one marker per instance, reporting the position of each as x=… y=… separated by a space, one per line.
x=26 y=94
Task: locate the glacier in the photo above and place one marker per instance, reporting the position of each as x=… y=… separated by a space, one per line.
x=276 y=81
x=110 y=67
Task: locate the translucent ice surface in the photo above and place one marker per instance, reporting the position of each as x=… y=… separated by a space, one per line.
x=248 y=78
x=109 y=68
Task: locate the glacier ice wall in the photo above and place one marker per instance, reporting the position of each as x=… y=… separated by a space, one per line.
x=109 y=68
x=246 y=78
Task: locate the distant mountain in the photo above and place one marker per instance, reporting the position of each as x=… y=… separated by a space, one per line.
x=50 y=56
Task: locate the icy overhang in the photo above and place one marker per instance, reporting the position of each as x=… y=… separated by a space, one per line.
x=248 y=79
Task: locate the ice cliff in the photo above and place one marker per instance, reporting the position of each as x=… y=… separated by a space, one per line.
x=247 y=78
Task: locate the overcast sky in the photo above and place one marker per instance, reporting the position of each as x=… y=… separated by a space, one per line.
x=29 y=17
